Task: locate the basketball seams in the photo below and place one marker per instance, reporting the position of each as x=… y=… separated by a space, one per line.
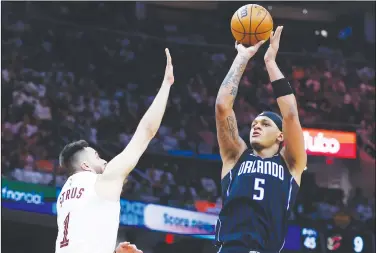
x=248 y=36
x=266 y=13
x=262 y=20
x=252 y=33
x=250 y=24
x=237 y=14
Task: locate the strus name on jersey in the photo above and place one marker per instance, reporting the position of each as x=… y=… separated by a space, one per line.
x=71 y=193
x=263 y=167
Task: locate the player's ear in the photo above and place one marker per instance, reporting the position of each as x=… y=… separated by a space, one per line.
x=280 y=137
x=85 y=166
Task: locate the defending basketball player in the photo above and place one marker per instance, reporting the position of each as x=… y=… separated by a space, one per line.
x=259 y=185
x=88 y=206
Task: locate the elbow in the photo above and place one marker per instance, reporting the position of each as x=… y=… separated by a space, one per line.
x=289 y=109
x=221 y=105
x=291 y=114
x=149 y=129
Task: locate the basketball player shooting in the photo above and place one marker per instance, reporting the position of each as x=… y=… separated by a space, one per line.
x=259 y=185
x=88 y=206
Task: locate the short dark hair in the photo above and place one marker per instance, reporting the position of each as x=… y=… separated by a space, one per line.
x=68 y=152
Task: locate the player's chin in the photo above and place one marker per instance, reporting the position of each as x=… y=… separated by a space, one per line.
x=100 y=170
x=255 y=142
x=255 y=139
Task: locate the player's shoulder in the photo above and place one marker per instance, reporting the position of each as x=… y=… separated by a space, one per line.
x=84 y=175
x=81 y=178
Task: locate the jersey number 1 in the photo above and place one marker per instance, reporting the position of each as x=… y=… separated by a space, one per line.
x=65 y=240
x=259 y=195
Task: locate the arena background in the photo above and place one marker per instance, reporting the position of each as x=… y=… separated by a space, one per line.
x=89 y=70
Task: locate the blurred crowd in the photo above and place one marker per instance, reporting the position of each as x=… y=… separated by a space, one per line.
x=62 y=82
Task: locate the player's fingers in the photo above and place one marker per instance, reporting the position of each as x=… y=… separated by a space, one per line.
x=258 y=45
x=124 y=244
x=169 y=61
x=272 y=35
x=236 y=44
x=278 y=32
x=132 y=246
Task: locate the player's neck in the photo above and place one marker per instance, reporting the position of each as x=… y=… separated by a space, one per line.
x=266 y=152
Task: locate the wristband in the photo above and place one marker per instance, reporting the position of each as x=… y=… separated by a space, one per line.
x=281 y=88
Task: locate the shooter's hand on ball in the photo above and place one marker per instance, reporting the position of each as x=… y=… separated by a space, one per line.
x=248 y=52
x=126 y=247
x=169 y=72
x=275 y=37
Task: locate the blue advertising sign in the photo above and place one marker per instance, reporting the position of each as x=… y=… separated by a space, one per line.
x=132 y=213
x=27 y=197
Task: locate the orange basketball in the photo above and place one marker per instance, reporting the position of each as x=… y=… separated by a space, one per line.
x=251 y=23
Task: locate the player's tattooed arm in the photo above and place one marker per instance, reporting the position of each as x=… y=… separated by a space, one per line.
x=294 y=150
x=230 y=84
x=231 y=146
x=229 y=88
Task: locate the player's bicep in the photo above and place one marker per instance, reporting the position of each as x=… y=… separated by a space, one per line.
x=109 y=189
x=109 y=184
x=231 y=145
x=122 y=164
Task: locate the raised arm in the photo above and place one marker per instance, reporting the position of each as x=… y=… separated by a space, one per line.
x=294 y=150
x=110 y=183
x=231 y=146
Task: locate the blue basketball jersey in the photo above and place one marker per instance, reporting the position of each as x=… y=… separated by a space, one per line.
x=257 y=196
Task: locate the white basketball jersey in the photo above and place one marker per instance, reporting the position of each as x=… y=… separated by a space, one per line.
x=87 y=223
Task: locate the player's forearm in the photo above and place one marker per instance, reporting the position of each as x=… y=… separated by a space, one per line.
x=229 y=87
x=287 y=104
x=152 y=119
x=273 y=71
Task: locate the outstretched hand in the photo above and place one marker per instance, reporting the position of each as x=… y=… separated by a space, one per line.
x=169 y=72
x=248 y=52
x=126 y=247
x=272 y=51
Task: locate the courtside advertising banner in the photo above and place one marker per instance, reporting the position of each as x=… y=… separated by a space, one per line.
x=168 y=219
x=27 y=197
x=338 y=144
x=42 y=199
x=132 y=213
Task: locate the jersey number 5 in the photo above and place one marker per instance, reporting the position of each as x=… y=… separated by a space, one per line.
x=259 y=195
x=65 y=241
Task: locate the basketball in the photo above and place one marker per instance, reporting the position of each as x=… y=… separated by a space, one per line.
x=251 y=23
